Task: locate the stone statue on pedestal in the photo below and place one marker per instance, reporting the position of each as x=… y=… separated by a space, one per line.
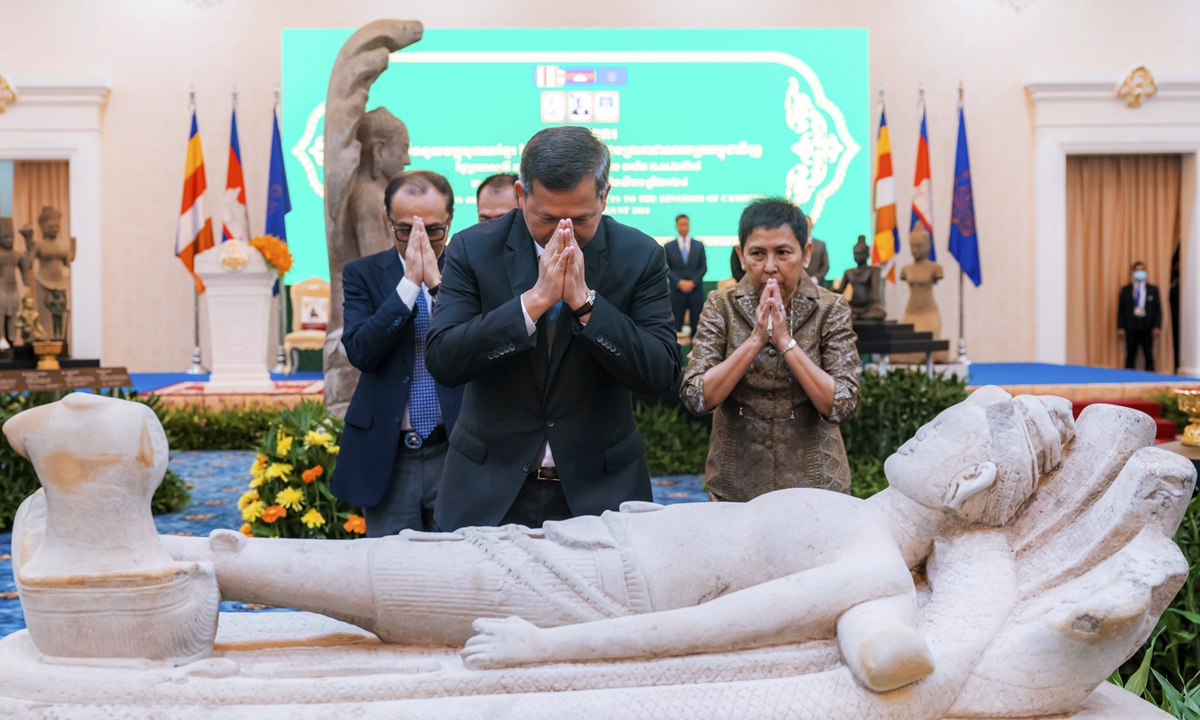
x=1016 y=559
x=52 y=274
x=922 y=310
x=28 y=326
x=11 y=262
x=363 y=151
x=864 y=283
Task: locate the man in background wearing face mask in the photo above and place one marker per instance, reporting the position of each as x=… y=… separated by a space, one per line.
x=1139 y=317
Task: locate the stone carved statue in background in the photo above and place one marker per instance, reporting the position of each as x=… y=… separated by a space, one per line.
x=52 y=275
x=1041 y=547
x=363 y=151
x=863 y=282
x=922 y=310
x=11 y=263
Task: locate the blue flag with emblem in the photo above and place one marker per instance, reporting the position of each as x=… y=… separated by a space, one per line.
x=279 y=202
x=964 y=244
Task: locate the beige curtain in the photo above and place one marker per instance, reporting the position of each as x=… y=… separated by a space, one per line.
x=37 y=185
x=1120 y=209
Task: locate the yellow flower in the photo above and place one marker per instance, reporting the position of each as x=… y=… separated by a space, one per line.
x=247 y=530
x=333 y=449
x=253 y=511
x=246 y=499
x=313 y=519
x=283 y=445
x=277 y=470
x=257 y=482
x=260 y=463
x=317 y=437
x=291 y=498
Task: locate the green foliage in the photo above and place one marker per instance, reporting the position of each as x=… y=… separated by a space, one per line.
x=195 y=427
x=675 y=443
x=171 y=496
x=1169 y=402
x=289 y=491
x=891 y=409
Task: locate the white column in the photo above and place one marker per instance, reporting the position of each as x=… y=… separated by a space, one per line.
x=1189 y=268
x=1050 y=252
x=237 y=293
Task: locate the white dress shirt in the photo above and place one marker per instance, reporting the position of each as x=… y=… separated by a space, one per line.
x=531 y=328
x=1139 y=297
x=685 y=246
x=407 y=290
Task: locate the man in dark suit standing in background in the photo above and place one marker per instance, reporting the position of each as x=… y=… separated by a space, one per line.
x=686 y=265
x=395 y=440
x=550 y=316
x=496 y=197
x=1139 y=317
x=818 y=264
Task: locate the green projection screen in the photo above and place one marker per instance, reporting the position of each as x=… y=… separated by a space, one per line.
x=698 y=122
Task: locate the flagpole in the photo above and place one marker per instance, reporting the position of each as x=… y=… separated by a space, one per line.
x=962 y=339
x=280 y=358
x=196 y=368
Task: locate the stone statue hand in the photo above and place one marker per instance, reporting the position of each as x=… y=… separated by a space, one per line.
x=506 y=643
x=414 y=259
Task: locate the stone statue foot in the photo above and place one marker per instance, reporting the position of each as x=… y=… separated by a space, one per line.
x=228 y=542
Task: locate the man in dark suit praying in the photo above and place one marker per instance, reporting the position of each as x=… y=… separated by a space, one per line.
x=394 y=443
x=1139 y=317
x=550 y=316
x=686 y=266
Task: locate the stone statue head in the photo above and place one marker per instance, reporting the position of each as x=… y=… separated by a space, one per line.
x=50 y=221
x=6 y=233
x=384 y=140
x=918 y=242
x=981 y=459
x=861 y=252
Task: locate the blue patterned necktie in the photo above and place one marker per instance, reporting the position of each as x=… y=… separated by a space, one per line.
x=422 y=394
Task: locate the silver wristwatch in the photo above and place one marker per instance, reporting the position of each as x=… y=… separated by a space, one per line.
x=587 y=305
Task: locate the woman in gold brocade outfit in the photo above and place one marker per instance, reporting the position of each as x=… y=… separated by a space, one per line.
x=774 y=356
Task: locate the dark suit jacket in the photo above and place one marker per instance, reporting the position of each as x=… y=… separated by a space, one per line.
x=1127 y=321
x=694 y=269
x=517 y=395
x=380 y=341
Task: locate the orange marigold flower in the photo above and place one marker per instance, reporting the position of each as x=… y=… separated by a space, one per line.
x=355 y=524
x=311 y=474
x=274 y=251
x=273 y=513
x=247 y=530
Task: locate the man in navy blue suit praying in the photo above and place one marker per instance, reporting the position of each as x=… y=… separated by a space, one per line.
x=395 y=441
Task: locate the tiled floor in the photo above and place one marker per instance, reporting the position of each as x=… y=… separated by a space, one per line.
x=218 y=479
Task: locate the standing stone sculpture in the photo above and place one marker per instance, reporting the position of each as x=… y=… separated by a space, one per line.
x=922 y=310
x=1016 y=559
x=52 y=274
x=11 y=262
x=864 y=283
x=363 y=151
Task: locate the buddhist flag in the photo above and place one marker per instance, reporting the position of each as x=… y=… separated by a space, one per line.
x=194 y=234
x=235 y=221
x=922 y=207
x=964 y=244
x=887 y=239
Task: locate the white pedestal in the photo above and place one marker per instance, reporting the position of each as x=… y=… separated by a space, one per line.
x=237 y=284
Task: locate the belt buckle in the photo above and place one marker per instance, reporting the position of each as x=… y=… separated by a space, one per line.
x=412 y=440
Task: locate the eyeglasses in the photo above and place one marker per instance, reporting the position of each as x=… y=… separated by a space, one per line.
x=403 y=230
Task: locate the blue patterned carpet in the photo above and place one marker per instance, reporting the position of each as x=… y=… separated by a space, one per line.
x=218 y=478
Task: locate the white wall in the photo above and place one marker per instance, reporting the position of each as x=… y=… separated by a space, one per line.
x=153 y=49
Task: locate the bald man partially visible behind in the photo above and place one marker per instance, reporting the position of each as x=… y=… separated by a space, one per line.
x=496 y=196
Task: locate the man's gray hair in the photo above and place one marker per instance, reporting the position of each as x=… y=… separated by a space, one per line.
x=559 y=158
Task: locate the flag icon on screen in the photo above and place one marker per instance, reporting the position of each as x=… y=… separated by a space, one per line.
x=580 y=76
x=611 y=76
x=549 y=76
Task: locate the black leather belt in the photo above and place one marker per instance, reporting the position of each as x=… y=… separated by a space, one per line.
x=413 y=440
x=544 y=473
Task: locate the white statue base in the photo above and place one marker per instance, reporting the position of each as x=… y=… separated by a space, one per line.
x=237 y=293
x=301 y=665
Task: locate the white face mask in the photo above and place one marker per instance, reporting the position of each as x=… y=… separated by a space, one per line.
x=1139 y=276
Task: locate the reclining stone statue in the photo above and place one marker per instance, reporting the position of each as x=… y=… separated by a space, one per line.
x=1016 y=559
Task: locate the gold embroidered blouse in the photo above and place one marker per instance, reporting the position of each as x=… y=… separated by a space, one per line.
x=767 y=435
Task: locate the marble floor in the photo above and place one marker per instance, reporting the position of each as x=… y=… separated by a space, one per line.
x=217 y=479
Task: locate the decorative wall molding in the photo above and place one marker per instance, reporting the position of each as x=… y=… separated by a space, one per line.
x=7 y=94
x=59 y=118
x=1084 y=115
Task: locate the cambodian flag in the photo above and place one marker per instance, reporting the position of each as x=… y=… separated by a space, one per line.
x=235 y=221
x=964 y=244
x=887 y=239
x=922 y=204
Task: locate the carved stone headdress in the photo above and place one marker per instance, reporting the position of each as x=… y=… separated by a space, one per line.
x=49 y=214
x=1028 y=434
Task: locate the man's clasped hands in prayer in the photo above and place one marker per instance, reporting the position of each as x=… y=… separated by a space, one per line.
x=420 y=260
x=560 y=275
